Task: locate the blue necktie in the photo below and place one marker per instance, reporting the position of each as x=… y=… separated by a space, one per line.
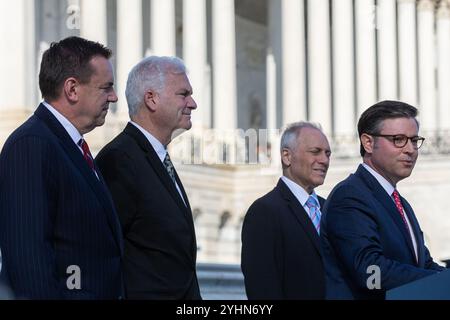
x=314 y=212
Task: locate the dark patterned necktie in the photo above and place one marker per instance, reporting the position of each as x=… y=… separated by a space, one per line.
x=169 y=167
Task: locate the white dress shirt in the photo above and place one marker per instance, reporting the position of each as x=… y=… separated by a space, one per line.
x=159 y=149
x=300 y=193
x=69 y=127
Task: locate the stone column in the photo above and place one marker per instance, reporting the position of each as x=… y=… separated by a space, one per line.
x=366 y=84
x=427 y=62
x=319 y=64
x=343 y=67
x=129 y=46
x=163 y=41
x=224 y=64
x=387 y=49
x=194 y=55
x=14 y=61
x=293 y=61
x=93 y=21
x=274 y=65
x=443 y=40
x=18 y=77
x=407 y=50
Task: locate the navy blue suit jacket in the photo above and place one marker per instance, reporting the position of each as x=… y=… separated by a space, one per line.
x=361 y=227
x=281 y=254
x=55 y=213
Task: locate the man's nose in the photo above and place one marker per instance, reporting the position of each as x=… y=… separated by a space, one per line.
x=191 y=103
x=113 y=97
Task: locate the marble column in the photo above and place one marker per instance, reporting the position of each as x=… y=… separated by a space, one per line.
x=343 y=67
x=163 y=37
x=407 y=51
x=293 y=61
x=319 y=64
x=427 y=62
x=274 y=65
x=366 y=81
x=194 y=55
x=387 y=50
x=15 y=63
x=224 y=64
x=129 y=46
x=93 y=21
x=443 y=40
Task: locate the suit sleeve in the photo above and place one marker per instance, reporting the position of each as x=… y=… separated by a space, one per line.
x=120 y=175
x=27 y=213
x=353 y=233
x=429 y=262
x=260 y=254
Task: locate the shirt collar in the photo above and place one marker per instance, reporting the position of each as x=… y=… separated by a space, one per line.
x=68 y=126
x=387 y=186
x=300 y=193
x=157 y=146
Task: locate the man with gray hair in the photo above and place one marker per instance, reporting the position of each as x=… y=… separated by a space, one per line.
x=154 y=211
x=281 y=254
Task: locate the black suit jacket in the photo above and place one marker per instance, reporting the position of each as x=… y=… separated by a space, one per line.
x=160 y=244
x=55 y=213
x=361 y=227
x=281 y=254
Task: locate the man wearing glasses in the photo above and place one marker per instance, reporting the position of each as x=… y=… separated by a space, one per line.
x=371 y=238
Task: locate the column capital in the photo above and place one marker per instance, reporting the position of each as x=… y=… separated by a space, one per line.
x=426 y=5
x=443 y=9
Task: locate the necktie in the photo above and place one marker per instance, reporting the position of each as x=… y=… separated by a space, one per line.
x=399 y=206
x=314 y=212
x=87 y=153
x=169 y=167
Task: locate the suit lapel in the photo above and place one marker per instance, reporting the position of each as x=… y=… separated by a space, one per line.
x=386 y=201
x=416 y=230
x=74 y=154
x=300 y=215
x=160 y=170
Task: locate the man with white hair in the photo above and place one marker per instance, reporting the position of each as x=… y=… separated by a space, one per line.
x=281 y=253
x=154 y=211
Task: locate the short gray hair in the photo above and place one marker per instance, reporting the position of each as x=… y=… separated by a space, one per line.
x=292 y=131
x=150 y=73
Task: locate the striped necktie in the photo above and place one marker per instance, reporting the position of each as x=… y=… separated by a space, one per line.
x=314 y=212
x=87 y=154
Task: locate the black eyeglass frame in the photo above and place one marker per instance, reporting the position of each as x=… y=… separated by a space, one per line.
x=393 y=137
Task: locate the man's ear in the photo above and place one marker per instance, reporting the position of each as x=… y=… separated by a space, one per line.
x=71 y=89
x=367 y=142
x=151 y=99
x=286 y=157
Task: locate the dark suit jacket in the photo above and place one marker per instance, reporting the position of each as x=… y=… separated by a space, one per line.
x=160 y=245
x=281 y=254
x=362 y=227
x=54 y=213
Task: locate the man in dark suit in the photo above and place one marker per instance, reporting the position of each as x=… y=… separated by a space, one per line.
x=281 y=254
x=371 y=238
x=154 y=211
x=59 y=233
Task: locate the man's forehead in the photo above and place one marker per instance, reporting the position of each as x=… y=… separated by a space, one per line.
x=393 y=123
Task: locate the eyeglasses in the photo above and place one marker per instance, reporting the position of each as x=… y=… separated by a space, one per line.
x=400 y=140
